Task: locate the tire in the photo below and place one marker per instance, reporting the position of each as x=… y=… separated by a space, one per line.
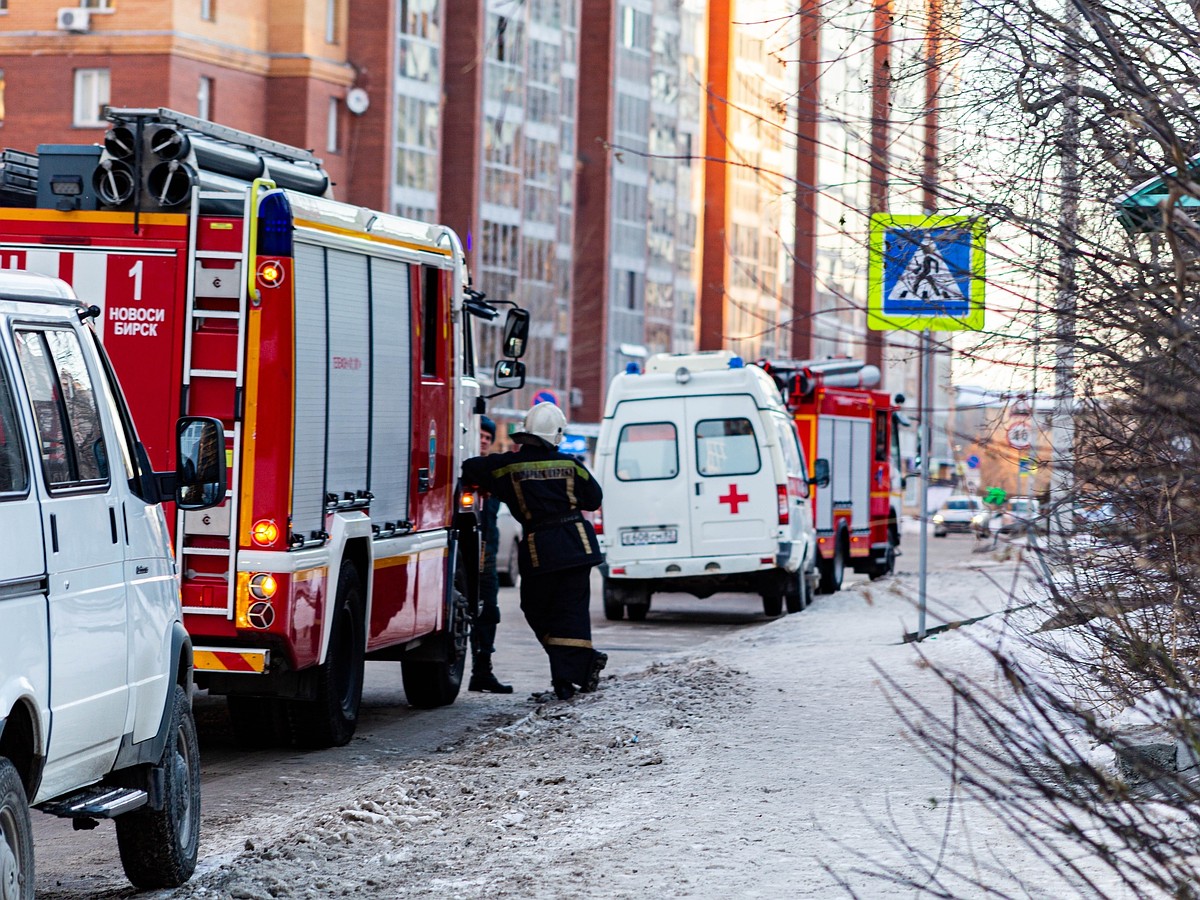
x=258 y=722
x=772 y=604
x=510 y=578
x=889 y=564
x=637 y=611
x=430 y=683
x=614 y=602
x=16 y=836
x=331 y=719
x=798 y=595
x=159 y=846
x=833 y=570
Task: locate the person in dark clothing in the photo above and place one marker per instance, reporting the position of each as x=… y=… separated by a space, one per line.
x=483 y=629
x=547 y=491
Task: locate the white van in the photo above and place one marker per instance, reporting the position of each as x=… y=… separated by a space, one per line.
x=95 y=666
x=706 y=487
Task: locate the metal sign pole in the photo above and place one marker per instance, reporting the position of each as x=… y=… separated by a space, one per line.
x=926 y=468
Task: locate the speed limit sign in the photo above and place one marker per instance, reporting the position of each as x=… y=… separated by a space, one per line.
x=1020 y=436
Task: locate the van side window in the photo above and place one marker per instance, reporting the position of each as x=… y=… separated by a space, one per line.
x=65 y=408
x=726 y=447
x=14 y=474
x=647 y=451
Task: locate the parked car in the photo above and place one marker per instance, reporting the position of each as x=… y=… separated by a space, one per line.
x=1021 y=515
x=957 y=514
x=506 y=556
x=95 y=665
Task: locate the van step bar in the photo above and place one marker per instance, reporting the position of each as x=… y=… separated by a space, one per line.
x=97 y=802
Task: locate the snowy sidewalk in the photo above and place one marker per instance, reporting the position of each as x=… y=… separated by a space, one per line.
x=767 y=764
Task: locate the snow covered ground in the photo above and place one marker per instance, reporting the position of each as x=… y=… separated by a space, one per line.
x=766 y=763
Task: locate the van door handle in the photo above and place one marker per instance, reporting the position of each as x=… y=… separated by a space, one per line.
x=112 y=523
x=699 y=488
x=54 y=532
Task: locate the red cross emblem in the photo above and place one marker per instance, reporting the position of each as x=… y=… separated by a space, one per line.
x=733 y=498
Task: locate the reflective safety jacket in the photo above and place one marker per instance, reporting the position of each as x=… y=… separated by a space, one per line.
x=546 y=491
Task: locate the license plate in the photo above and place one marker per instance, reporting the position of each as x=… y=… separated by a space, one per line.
x=649 y=536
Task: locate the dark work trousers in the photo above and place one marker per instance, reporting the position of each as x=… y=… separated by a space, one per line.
x=556 y=607
x=483 y=629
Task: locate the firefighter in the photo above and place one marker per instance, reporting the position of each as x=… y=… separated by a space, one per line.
x=483 y=629
x=547 y=491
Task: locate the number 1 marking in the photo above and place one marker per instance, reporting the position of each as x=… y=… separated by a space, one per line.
x=136 y=274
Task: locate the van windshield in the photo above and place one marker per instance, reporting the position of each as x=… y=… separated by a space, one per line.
x=726 y=447
x=647 y=452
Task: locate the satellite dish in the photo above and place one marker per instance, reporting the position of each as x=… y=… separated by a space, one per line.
x=357 y=101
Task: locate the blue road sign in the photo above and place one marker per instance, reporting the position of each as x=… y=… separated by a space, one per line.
x=545 y=397
x=926 y=272
x=972 y=462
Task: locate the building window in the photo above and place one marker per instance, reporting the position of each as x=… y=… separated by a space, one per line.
x=3 y=6
x=91 y=96
x=331 y=127
x=107 y=5
x=208 y=11
x=204 y=99
x=331 y=21
x=1 y=92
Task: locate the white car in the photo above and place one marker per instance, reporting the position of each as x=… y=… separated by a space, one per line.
x=957 y=514
x=506 y=555
x=95 y=665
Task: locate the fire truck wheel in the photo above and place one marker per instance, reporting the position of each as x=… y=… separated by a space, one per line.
x=258 y=722
x=888 y=566
x=16 y=836
x=330 y=719
x=159 y=846
x=429 y=684
x=832 y=570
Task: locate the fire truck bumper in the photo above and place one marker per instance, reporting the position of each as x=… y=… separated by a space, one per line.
x=234 y=662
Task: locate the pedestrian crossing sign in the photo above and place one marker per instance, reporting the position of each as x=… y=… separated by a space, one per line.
x=926 y=272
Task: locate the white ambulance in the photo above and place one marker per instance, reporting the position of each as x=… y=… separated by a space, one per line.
x=95 y=665
x=706 y=487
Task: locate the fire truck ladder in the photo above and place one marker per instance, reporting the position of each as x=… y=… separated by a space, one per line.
x=200 y=308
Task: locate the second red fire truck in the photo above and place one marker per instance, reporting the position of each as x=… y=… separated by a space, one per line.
x=335 y=344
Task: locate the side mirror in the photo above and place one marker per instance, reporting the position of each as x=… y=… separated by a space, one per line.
x=820 y=473
x=516 y=334
x=509 y=374
x=200 y=463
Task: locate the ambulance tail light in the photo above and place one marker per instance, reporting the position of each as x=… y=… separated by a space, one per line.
x=781 y=493
x=598 y=521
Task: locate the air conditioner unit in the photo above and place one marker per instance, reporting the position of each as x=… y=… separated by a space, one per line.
x=74 y=18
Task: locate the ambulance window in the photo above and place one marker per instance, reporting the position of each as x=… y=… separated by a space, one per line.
x=726 y=447
x=648 y=451
x=14 y=476
x=65 y=408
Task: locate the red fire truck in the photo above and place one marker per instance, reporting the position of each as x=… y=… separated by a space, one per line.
x=335 y=343
x=842 y=419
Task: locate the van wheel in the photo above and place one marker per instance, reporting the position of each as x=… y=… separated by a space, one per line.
x=614 y=602
x=258 y=722
x=799 y=593
x=430 y=683
x=16 y=836
x=159 y=846
x=330 y=719
x=509 y=578
x=832 y=570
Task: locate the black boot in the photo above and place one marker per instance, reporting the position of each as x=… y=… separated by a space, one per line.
x=599 y=661
x=482 y=677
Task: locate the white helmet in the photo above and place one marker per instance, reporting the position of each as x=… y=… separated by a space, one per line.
x=545 y=422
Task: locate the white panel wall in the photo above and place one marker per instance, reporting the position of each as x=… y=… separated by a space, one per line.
x=308 y=485
x=349 y=362
x=391 y=373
